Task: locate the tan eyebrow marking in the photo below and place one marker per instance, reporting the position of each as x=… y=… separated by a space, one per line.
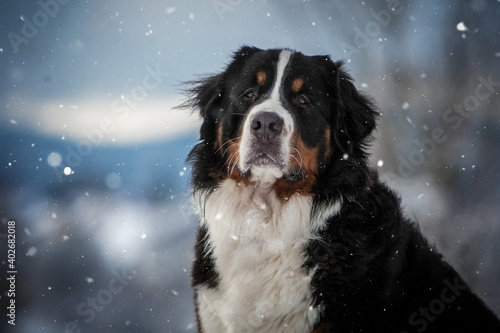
x=297 y=84
x=261 y=77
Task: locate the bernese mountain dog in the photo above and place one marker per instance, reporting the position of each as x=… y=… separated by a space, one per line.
x=297 y=233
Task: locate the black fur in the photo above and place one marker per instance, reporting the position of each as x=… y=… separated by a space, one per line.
x=374 y=271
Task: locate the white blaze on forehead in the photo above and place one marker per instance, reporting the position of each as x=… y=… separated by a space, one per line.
x=282 y=62
x=272 y=104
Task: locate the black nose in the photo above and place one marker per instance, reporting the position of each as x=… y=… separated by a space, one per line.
x=266 y=125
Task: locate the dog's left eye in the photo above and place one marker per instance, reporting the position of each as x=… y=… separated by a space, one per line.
x=302 y=100
x=250 y=94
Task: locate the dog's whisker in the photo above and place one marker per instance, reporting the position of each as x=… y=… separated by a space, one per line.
x=228 y=142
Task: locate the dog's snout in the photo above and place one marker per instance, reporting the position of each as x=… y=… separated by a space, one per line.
x=266 y=126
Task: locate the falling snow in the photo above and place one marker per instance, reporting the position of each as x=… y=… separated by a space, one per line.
x=54 y=159
x=461 y=27
x=32 y=251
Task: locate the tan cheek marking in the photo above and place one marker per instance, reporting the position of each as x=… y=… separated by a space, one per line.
x=308 y=157
x=231 y=150
x=234 y=153
x=297 y=84
x=328 y=138
x=233 y=158
x=218 y=142
x=308 y=160
x=261 y=78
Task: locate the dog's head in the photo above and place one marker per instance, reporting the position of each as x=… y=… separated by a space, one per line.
x=278 y=119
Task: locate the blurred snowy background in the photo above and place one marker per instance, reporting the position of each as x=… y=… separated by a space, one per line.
x=92 y=153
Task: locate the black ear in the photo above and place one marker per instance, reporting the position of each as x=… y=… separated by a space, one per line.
x=359 y=111
x=204 y=94
x=353 y=115
x=245 y=51
x=240 y=57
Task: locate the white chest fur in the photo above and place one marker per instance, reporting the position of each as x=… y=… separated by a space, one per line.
x=258 y=247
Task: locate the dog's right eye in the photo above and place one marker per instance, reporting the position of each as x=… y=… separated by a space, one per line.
x=249 y=94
